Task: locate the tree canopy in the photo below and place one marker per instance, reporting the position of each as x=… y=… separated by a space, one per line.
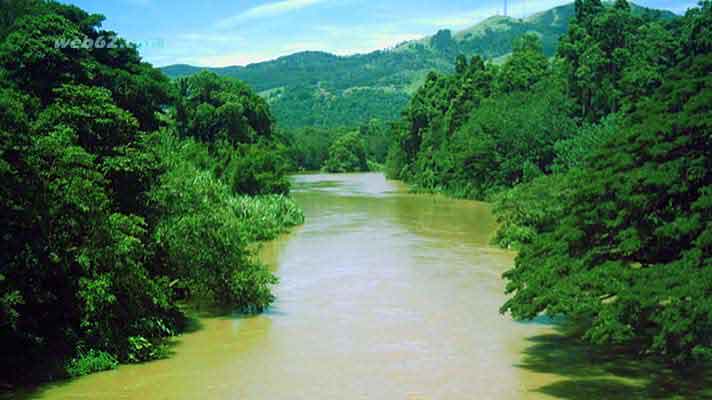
x=599 y=165
x=629 y=248
x=121 y=194
x=347 y=154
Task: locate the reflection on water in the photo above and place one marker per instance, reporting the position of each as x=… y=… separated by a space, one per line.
x=382 y=295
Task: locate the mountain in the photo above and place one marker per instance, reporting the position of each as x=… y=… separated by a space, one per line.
x=321 y=89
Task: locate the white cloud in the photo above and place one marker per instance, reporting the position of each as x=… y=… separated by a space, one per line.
x=232 y=59
x=373 y=42
x=457 y=21
x=265 y=11
x=338 y=43
x=517 y=9
x=210 y=38
x=680 y=9
x=305 y=45
x=364 y=38
x=223 y=47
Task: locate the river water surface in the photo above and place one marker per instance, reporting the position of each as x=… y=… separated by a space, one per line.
x=383 y=295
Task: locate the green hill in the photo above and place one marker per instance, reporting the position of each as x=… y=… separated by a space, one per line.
x=321 y=89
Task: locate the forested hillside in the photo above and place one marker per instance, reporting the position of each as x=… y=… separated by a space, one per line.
x=319 y=93
x=600 y=165
x=323 y=90
x=122 y=194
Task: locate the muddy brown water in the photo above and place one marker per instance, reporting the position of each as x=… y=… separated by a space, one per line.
x=383 y=295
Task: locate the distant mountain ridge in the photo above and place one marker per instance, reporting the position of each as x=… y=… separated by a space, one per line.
x=316 y=88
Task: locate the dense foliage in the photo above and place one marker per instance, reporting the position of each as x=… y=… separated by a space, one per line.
x=347 y=154
x=124 y=193
x=210 y=108
x=121 y=194
x=308 y=148
x=311 y=148
x=306 y=106
x=607 y=151
x=637 y=263
x=630 y=250
x=317 y=89
x=485 y=127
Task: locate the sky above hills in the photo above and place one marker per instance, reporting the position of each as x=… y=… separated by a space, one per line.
x=228 y=32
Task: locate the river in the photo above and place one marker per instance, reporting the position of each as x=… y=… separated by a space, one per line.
x=383 y=295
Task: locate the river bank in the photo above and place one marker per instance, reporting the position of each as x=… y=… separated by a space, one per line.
x=383 y=294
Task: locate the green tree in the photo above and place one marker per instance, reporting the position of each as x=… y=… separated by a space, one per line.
x=347 y=154
x=507 y=137
x=575 y=152
x=443 y=41
x=256 y=170
x=527 y=66
x=211 y=108
x=33 y=61
x=609 y=50
x=632 y=250
x=106 y=222
x=204 y=238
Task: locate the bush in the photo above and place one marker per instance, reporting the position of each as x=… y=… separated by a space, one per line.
x=255 y=170
x=527 y=209
x=142 y=349
x=265 y=217
x=90 y=362
x=203 y=238
x=205 y=229
x=375 y=167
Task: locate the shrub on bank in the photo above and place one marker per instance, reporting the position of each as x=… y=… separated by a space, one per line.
x=266 y=217
x=205 y=229
x=90 y=362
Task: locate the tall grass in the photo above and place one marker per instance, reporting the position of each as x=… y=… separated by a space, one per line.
x=266 y=217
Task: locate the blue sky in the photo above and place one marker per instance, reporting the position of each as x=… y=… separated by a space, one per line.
x=224 y=32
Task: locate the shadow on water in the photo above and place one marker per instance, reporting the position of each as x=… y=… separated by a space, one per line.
x=193 y=322
x=585 y=371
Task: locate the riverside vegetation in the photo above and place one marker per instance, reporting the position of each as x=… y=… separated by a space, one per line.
x=599 y=162
x=122 y=194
